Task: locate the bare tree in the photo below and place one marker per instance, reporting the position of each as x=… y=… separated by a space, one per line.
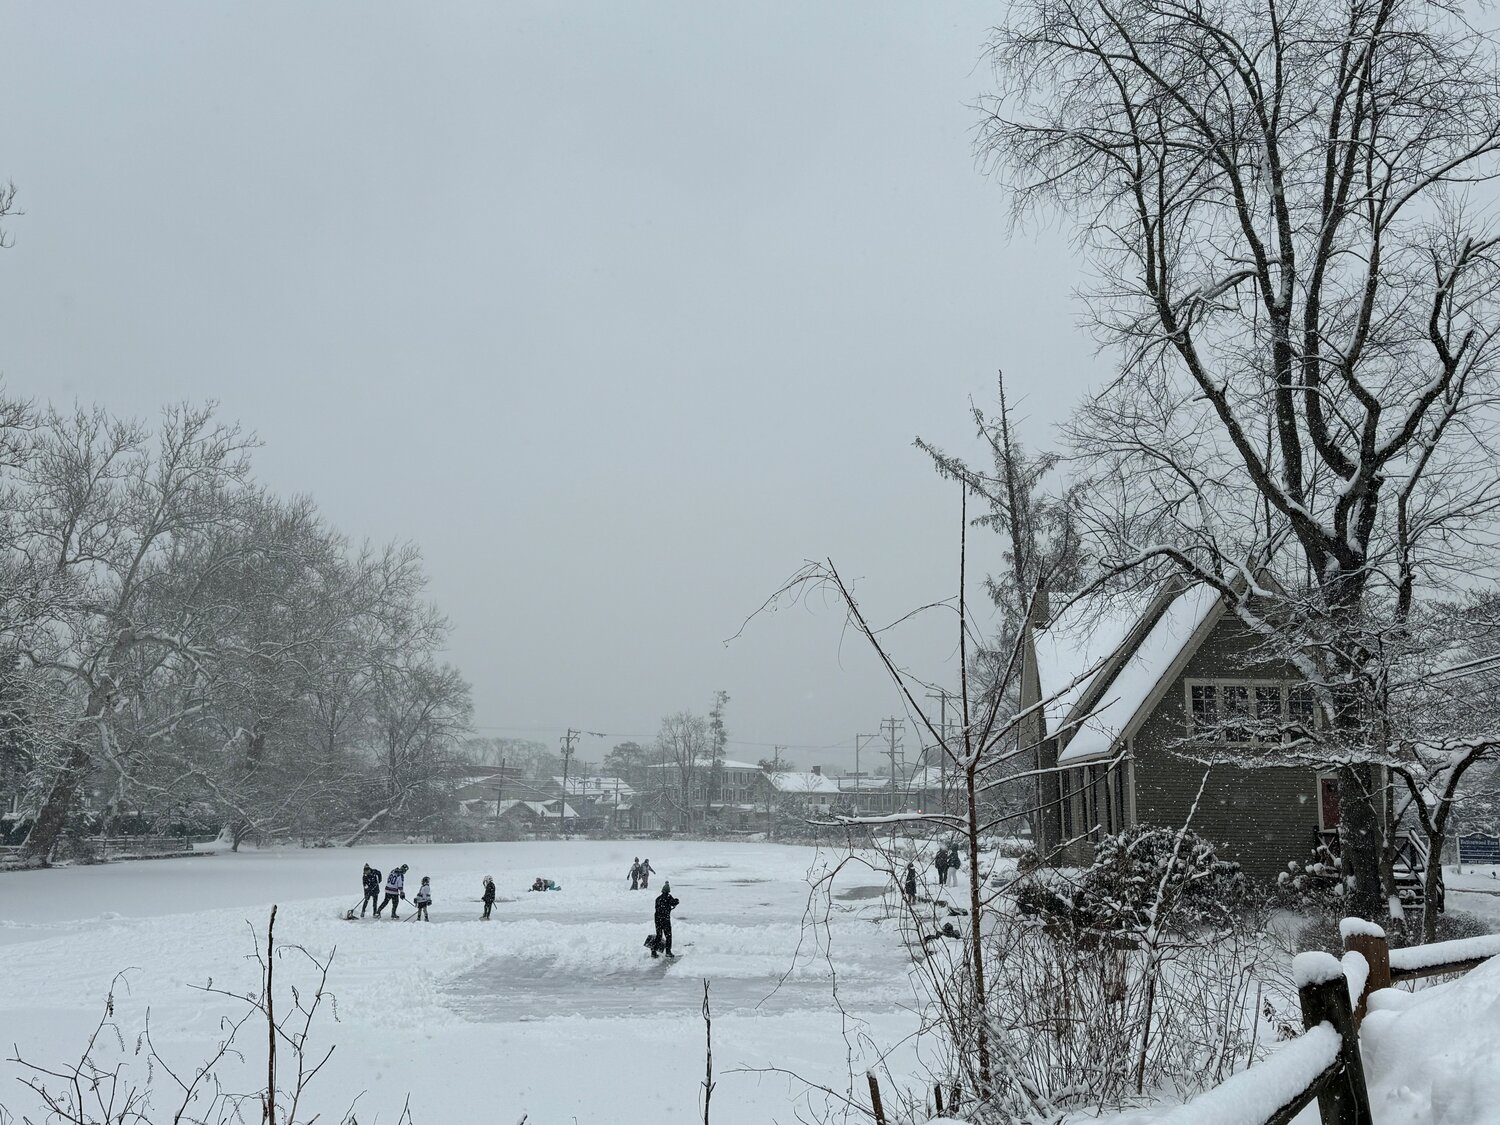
x=1302 y=305
x=1038 y=526
x=109 y=515
x=683 y=744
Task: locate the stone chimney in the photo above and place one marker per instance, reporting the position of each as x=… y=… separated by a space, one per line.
x=817 y=771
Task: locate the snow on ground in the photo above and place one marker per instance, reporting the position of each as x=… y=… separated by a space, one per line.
x=1431 y=1054
x=553 y=1009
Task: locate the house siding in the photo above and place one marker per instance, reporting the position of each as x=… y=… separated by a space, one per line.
x=1261 y=818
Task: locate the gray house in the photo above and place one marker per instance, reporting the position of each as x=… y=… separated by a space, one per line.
x=1135 y=704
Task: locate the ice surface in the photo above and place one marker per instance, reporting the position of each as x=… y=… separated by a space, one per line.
x=552 y=1009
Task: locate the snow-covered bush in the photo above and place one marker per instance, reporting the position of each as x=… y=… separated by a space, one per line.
x=1149 y=875
x=1144 y=877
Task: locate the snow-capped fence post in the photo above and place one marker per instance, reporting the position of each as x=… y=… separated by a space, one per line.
x=1370 y=942
x=1324 y=993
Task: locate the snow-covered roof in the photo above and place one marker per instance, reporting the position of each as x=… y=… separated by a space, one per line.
x=851 y=784
x=789 y=782
x=1085 y=645
x=707 y=763
x=537 y=808
x=591 y=786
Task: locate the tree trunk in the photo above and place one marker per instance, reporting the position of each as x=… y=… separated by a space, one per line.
x=52 y=819
x=976 y=945
x=359 y=832
x=1432 y=878
x=1360 y=839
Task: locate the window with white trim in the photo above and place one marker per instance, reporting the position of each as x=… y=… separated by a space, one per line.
x=1246 y=712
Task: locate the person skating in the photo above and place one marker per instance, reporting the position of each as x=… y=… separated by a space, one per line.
x=646 y=872
x=423 y=899
x=942 y=865
x=395 y=891
x=664 y=904
x=488 y=898
x=372 y=891
x=909 y=886
x=635 y=874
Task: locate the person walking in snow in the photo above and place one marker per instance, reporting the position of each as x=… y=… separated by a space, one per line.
x=395 y=891
x=954 y=862
x=423 y=899
x=372 y=891
x=488 y=898
x=635 y=874
x=646 y=872
x=664 y=905
x=942 y=865
x=909 y=886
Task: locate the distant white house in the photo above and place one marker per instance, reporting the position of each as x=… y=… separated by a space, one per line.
x=811 y=791
x=528 y=812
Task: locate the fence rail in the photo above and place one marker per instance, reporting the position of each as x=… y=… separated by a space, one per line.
x=128 y=845
x=1324 y=1062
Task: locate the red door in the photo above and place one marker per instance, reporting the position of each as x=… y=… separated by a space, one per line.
x=1328 y=798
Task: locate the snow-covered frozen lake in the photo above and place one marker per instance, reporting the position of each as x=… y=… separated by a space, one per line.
x=553 y=1009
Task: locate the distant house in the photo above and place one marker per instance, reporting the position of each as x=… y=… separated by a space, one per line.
x=809 y=792
x=600 y=801
x=739 y=799
x=528 y=815
x=480 y=783
x=1128 y=705
x=920 y=790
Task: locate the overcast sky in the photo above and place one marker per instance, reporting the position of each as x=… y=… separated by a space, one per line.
x=619 y=311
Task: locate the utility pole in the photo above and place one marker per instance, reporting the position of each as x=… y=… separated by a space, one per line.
x=892 y=727
x=498 y=788
x=942 y=696
x=858 y=745
x=567 y=741
x=771 y=791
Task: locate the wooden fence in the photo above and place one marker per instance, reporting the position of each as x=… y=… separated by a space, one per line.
x=124 y=846
x=1324 y=1063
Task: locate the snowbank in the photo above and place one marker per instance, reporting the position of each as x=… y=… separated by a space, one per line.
x=1431 y=1059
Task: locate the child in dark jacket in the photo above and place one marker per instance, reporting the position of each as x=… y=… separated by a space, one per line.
x=488 y=898
x=372 y=891
x=663 y=917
